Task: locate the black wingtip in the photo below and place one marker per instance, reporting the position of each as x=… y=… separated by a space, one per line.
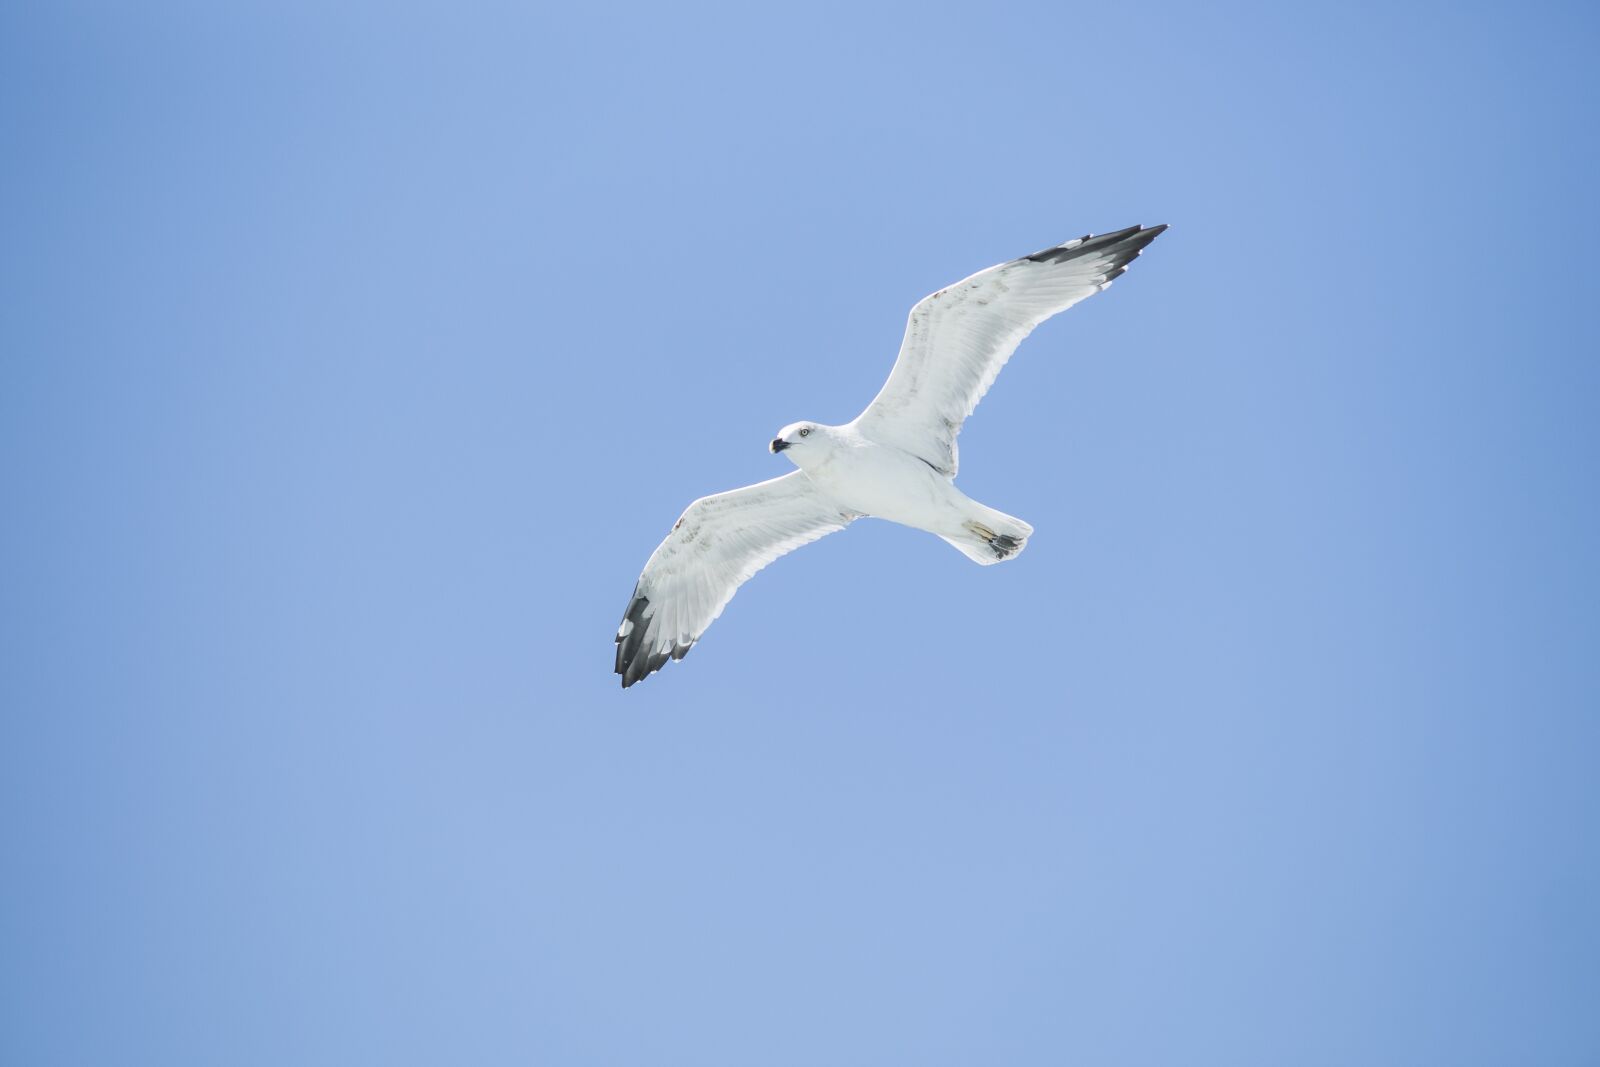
x=1123 y=245
x=635 y=658
x=632 y=660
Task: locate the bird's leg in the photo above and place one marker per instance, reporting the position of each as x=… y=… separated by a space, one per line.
x=1003 y=544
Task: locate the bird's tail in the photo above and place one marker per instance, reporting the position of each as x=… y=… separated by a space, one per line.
x=990 y=536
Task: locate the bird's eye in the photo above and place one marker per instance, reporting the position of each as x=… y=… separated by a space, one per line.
x=805 y=431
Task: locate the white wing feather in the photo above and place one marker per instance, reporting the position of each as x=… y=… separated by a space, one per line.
x=716 y=546
x=958 y=338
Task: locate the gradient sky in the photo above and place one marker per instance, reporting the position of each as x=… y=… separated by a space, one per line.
x=352 y=363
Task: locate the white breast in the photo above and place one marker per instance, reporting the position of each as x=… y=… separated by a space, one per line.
x=885 y=482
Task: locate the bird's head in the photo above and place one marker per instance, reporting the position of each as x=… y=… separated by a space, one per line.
x=799 y=441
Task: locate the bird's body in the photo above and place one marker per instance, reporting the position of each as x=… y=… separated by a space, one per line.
x=897 y=460
x=873 y=479
x=867 y=478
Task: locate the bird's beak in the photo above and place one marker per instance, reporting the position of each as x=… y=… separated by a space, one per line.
x=778 y=445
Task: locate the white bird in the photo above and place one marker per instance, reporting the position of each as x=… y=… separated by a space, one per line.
x=896 y=461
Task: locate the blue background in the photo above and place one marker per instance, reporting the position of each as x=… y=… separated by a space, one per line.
x=355 y=360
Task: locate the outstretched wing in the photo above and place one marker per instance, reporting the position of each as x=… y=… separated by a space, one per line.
x=958 y=339
x=719 y=542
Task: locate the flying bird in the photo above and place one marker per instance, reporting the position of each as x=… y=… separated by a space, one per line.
x=896 y=461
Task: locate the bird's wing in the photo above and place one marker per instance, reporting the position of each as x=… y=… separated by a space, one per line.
x=713 y=549
x=958 y=339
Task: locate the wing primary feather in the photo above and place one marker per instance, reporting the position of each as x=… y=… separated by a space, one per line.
x=631 y=635
x=1088 y=245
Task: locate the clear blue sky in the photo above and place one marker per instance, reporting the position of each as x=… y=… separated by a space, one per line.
x=352 y=363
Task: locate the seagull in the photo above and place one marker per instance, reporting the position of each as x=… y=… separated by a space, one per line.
x=896 y=461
